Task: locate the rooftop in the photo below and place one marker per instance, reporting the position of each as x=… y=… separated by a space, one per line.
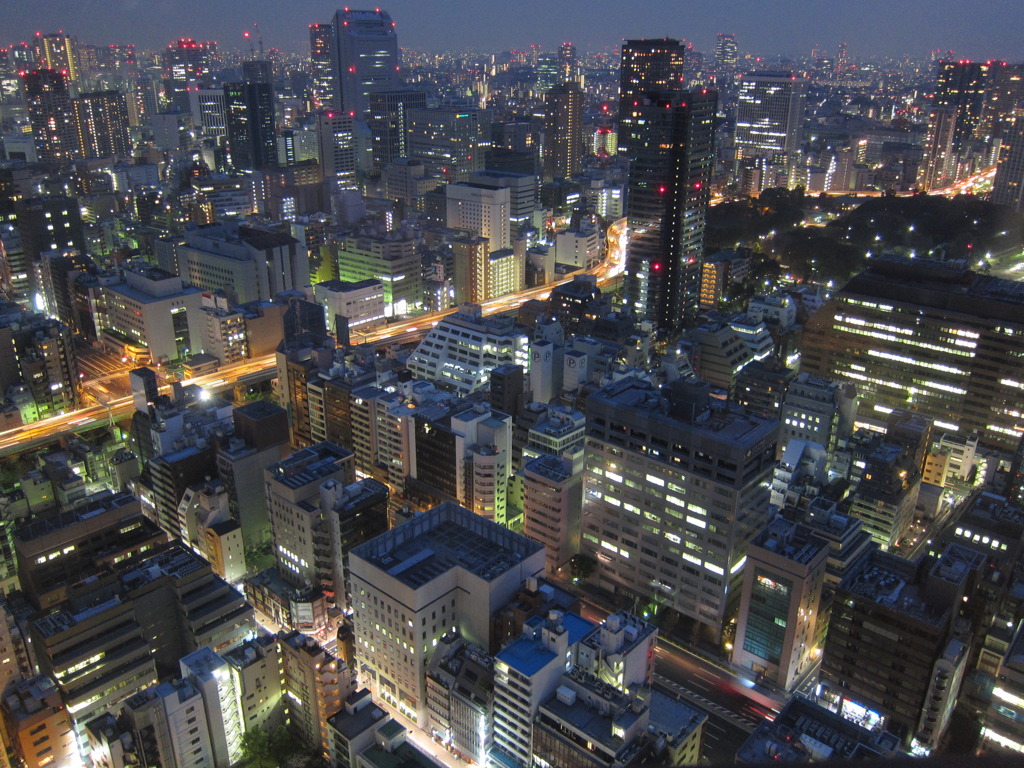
x=309 y=465
x=529 y=654
x=446 y=537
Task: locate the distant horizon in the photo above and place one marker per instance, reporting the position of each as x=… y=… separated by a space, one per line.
x=873 y=29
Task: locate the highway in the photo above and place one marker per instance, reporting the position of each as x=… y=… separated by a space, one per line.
x=39 y=433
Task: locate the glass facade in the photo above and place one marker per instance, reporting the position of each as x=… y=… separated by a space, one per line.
x=769 y=608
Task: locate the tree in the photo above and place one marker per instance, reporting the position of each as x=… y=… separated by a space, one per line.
x=582 y=567
x=256 y=749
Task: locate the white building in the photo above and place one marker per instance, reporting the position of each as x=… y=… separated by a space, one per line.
x=526 y=673
x=211 y=676
x=460 y=351
x=445 y=570
x=150 y=311
x=482 y=208
x=817 y=410
x=361 y=303
x=248 y=264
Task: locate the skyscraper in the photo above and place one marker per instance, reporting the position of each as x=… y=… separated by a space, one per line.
x=321 y=57
x=101 y=122
x=365 y=58
x=51 y=114
x=647 y=67
x=57 y=51
x=449 y=141
x=337 y=150
x=249 y=109
x=726 y=52
x=1008 y=184
x=672 y=158
x=388 y=120
x=563 y=131
x=569 y=64
x=956 y=115
x=185 y=62
x=770 y=122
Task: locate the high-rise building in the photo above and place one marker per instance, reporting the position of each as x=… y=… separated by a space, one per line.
x=37 y=725
x=481 y=208
x=337 y=145
x=366 y=58
x=569 y=70
x=186 y=63
x=647 y=67
x=726 y=52
x=449 y=141
x=38 y=352
x=101 y=121
x=690 y=552
x=563 y=131
x=446 y=570
x=388 y=120
x=770 y=123
x=321 y=60
x=249 y=113
x=57 y=51
x=51 y=114
x=672 y=159
x=1008 y=184
x=817 y=410
x=928 y=336
x=954 y=121
x=393 y=258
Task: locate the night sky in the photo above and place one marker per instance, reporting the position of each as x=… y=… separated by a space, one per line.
x=981 y=30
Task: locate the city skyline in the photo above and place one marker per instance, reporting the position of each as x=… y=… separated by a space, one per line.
x=786 y=27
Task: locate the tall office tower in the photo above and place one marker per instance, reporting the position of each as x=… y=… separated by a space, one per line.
x=450 y=142
x=893 y=620
x=209 y=111
x=442 y=571
x=321 y=64
x=569 y=69
x=209 y=673
x=842 y=61
x=647 y=67
x=186 y=63
x=780 y=607
x=1008 y=184
x=671 y=165
x=51 y=115
x=249 y=111
x=920 y=335
x=939 y=163
x=701 y=477
x=355 y=514
x=481 y=208
x=962 y=84
x=770 y=123
x=337 y=145
x=388 y=120
x=365 y=59
x=548 y=72
x=57 y=51
x=726 y=52
x=257 y=71
x=1003 y=93
x=563 y=131
x=101 y=122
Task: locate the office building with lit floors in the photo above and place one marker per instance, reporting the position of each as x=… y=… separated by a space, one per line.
x=780 y=607
x=1003 y=729
x=675 y=490
x=444 y=570
x=37 y=725
x=1008 y=183
x=459 y=352
x=647 y=66
x=670 y=170
x=892 y=657
x=552 y=502
x=770 y=124
x=930 y=337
